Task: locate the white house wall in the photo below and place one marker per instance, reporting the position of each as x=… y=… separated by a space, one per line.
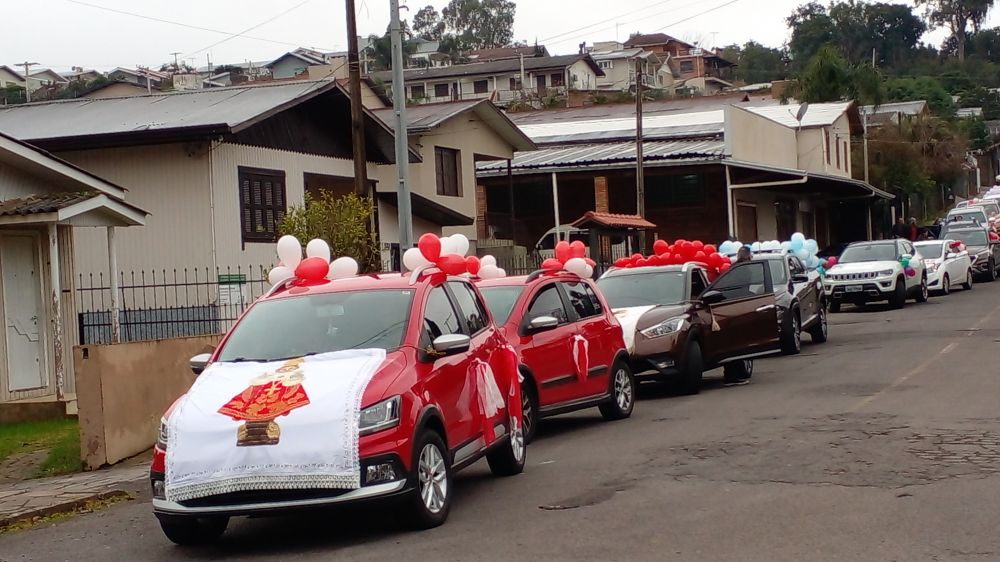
x=15 y=184
x=752 y=138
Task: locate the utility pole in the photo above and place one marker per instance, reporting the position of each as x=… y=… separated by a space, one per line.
x=357 y=110
x=640 y=176
x=27 y=79
x=402 y=142
x=177 y=67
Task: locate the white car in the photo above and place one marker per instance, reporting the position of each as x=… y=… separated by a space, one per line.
x=948 y=263
x=873 y=271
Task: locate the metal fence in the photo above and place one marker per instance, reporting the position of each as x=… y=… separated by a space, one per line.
x=163 y=304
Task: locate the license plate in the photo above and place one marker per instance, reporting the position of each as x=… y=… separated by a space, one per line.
x=855 y=288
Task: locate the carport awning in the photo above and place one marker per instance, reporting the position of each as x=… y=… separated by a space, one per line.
x=78 y=208
x=747 y=175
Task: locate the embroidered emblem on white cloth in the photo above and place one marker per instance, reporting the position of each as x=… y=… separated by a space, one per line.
x=318 y=400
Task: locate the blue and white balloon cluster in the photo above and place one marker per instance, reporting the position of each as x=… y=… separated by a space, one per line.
x=800 y=246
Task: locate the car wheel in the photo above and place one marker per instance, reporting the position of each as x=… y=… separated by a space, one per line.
x=923 y=293
x=192 y=531
x=791 y=336
x=945 y=285
x=622 y=389
x=508 y=458
x=694 y=368
x=835 y=307
x=899 y=296
x=968 y=281
x=738 y=371
x=991 y=272
x=820 y=331
x=430 y=502
x=529 y=409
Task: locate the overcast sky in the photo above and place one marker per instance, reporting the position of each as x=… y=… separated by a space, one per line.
x=64 y=33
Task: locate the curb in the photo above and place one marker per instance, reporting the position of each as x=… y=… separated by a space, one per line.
x=61 y=508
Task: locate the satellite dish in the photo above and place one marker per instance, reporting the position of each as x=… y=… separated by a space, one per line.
x=803 y=109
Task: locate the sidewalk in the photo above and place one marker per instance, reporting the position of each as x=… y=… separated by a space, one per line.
x=46 y=496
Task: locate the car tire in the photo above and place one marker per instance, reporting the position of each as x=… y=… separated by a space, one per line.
x=508 y=458
x=192 y=531
x=428 y=505
x=622 y=390
x=529 y=409
x=991 y=272
x=835 y=307
x=922 y=292
x=899 y=295
x=694 y=369
x=738 y=371
x=946 y=285
x=791 y=334
x=968 y=281
x=821 y=331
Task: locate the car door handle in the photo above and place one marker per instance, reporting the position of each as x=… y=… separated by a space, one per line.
x=765 y=308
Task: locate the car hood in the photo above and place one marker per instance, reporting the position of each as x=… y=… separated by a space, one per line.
x=384 y=383
x=637 y=318
x=863 y=267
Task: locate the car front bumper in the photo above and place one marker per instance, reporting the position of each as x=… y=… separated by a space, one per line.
x=861 y=291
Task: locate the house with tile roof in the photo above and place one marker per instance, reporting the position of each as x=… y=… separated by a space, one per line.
x=698 y=69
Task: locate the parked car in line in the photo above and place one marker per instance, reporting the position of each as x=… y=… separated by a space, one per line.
x=873 y=271
x=677 y=325
x=989 y=205
x=983 y=250
x=569 y=344
x=965 y=215
x=800 y=298
x=417 y=413
x=947 y=265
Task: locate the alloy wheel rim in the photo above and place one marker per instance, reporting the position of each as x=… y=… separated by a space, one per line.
x=923 y=289
x=823 y=320
x=946 y=285
x=748 y=367
x=623 y=390
x=516 y=440
x=433 y=476
x=797 y=332
x=526 y=411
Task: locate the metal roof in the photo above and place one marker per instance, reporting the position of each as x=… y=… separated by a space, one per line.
x=603 y=155
x=905 y=107
x=672 y=126
x=423 y=118
x=818 y=114
x=493 y=67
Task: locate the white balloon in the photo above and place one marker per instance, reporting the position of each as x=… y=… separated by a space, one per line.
x=755 y=247
x=280 y=274
x=342 y=268
x=289 y=251
x=503 y=272
x=488 y=260
x=414 y=260
x=489 y=272
x=590 y=272
x=447 y=246
x=318 y=248
x=576 y=266
x=460 y=243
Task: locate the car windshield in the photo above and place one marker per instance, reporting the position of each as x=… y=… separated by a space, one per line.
x=968 y=214
x=644 y=289
x=281 y=329
x=931 y=251
x=969 y=237
x=860 y=253
x=501 y=300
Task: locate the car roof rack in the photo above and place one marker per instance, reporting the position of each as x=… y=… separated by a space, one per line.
x=539 y=273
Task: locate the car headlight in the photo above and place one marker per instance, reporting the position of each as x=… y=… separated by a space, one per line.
x=664 y=328
x=886 y=273
x=162 y=438
x=932 y=267
x=380 y=417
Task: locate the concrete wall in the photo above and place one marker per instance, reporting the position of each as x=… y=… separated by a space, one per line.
x=752 y=138
x=123 y=390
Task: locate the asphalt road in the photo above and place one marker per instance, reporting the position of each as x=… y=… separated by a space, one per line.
x=882 y=444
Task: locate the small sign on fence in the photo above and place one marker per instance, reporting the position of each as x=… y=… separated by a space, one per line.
x=232 y=290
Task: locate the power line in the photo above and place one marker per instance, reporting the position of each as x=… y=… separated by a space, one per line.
x=699 y=14
x=249 y=29
x=606 y=20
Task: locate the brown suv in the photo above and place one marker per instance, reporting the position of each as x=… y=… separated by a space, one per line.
x=677 y=325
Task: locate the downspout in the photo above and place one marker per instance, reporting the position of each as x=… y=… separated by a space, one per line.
x=211 y=201
x=729 y=204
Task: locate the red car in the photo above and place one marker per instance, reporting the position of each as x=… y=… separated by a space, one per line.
x=569 y=343
x=418 y=424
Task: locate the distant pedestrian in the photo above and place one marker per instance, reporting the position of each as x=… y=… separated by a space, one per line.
x=899 y=229
x=744 y=255
x=914 y=233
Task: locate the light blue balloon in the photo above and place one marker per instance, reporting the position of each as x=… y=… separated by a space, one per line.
x=796 y=245
x=811 y=245
x=755 y=247
x=802 y=255
x=798 y=236
x=786 y=245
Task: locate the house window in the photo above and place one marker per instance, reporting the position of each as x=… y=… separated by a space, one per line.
x=449 y=181
x=515 y=84
x=605 y=64
x=262 y=203
x=481 y=86
x=440 y=90
x=558 y=80
x=418 y=92
x=687 y=66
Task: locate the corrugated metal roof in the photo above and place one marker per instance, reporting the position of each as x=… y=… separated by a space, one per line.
x=818 y=115
x=48 y=203
x=685 y=125
x=427 y=116
x=493 y=67
x=595 y=154
x=904 y=107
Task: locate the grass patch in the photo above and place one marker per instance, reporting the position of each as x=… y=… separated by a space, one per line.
x=60 y=437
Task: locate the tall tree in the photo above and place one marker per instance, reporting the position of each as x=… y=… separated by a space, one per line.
x=957 y=16
x=481 y=24
x=428 y=24
x=831 y=77
x=756 y=63
x=922 y=88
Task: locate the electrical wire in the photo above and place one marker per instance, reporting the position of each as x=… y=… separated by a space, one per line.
x=605 y=21
x=699 y=14
x=249 y=29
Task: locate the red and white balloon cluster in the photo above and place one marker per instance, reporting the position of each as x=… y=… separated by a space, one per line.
x=315 y=267
x=447 y=254
x=571 y=257
x=680 y=253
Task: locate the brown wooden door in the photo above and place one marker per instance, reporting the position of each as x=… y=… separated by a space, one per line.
x=746 y=222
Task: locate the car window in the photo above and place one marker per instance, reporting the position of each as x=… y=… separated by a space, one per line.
x=795 y=266
x=594 y=298
x=581 y=300
x=470 y=306
x=908 y=248
x=501 y=301
x=931 y=250
x=778 y=276
x=698 y=283
x=742 y=281
x=860 y=253
x=548 y=303
x=652 y=288
x=439 y=316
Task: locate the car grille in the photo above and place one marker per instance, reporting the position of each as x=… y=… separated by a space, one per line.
x=853 y=276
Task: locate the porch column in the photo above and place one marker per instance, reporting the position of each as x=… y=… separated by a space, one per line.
x=482 y=229
x=729 y=205
x=116 y=330
x=55 y=311
x=601 y=203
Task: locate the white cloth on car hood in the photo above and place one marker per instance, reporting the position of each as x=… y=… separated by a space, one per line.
x=629 y=319
x=320 y=397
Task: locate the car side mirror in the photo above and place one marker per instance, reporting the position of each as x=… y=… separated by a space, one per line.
x=712 y=297
x=199 y=362
x=542 y=324
x=800 y=278
x=452 y=344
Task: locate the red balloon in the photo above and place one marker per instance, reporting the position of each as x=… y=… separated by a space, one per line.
x=430 y=247
x=725 y=267
x=636 y=257
x=715 y=259
x=563 y=251
x=590 y=262
x=654 y=260
x=312 y=269
x=698 y=245
x=472 y=264
x=700 y=257
x=667 y=259
x=577 y=249
x=453 y=264
x=552 y=264
x=623 y=262
x=831 y=261
x=710 y=249
x=679 y=242
x=661 y=247
x=642 y=262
